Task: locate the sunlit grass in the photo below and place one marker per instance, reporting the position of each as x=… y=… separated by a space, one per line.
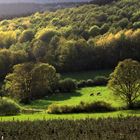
x=45 y=116
x=75 y=98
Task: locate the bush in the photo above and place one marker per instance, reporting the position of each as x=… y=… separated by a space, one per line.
x=98 y=106
x=100 y=81
x=136 y=25
x=83 y=107
x=81 y=84
x=123 y=22
x=8 y=107
x=104 y=28
x=90 y=82
x=94 y=31
x=97 y=81
x=67 y=85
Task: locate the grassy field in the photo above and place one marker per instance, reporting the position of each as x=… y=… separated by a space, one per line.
x=45 y=116
x=86 y=75
x=75 y=98
x=78 y=96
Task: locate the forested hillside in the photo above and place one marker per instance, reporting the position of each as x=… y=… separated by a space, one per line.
x=87 y=37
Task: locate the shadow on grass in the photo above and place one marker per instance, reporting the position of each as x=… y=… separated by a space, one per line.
x=63 y=96
x=45 y=102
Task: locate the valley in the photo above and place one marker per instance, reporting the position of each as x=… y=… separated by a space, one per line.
x=70 y=70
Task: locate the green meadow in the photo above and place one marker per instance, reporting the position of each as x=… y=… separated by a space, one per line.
x=72 y=99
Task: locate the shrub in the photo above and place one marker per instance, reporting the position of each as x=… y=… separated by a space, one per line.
x=89 y=82
x=136 y=25
x=104 y=28
x=8 y=107
x=100 y=81
x=94 y=31
x=83 y=107
x=67 y=85
x=123 y=22
x=98 y=106
x=81 y=84
x=97 y=81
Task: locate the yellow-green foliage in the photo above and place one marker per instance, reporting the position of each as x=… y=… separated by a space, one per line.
x=8 y=107
x=7 y=38
x=86 y=37
x=46 y=34
x=125 y=81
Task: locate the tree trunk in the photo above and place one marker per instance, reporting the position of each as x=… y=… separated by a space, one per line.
x=130 y=104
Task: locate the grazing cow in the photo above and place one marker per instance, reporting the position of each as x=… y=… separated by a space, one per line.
x=92 y=94
x=98 y=93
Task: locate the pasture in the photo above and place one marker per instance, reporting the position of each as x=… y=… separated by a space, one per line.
x=73 y=99
x=87 y=94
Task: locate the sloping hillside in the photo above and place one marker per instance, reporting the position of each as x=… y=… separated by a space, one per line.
x=87 y=37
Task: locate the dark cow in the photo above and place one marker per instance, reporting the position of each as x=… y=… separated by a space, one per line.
x=92 y=94
x=98 y=93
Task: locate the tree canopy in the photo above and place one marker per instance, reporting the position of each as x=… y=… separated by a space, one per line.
x=31 y=81
x=125 y=81
x=87 y=37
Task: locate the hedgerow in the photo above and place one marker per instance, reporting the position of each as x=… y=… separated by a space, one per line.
x=83 y=107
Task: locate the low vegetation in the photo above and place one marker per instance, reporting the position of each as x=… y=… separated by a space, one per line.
x=97 y=81
x=83 y=107
x=81 y=129
x=8 y=107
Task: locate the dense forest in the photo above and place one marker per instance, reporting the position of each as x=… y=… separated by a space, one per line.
x=87 y=37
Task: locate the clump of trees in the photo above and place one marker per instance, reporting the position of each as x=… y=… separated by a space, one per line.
x=125 y=81
x=31 y=81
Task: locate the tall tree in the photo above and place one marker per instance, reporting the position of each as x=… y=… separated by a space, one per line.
x=125 y=81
